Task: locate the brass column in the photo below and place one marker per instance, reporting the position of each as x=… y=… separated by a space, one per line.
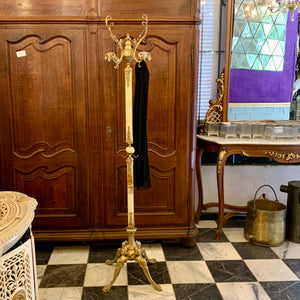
x=131 y=249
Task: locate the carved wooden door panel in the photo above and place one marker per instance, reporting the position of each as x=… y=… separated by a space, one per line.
x=43 y=121
x=168 y=125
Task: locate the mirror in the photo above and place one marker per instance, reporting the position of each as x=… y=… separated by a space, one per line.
x=261 y=53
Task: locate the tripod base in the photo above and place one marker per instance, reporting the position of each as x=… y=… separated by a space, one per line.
x=131 y=250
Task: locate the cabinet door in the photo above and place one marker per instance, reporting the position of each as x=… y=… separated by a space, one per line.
x=168 y=130
x=43 y=121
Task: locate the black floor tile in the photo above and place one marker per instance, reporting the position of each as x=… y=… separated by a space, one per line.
x=250 y=251
x=287 y=290
x=158 y=271
x=230 y=271
x=205 y=291
x=43 y=253
x=237 y=223
x=96 y=293
x=175 y=252
x=294 y=265
x=208 y=235
x=63 y=276
x=99 y=254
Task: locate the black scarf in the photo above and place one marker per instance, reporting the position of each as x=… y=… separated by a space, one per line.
x=141 y=165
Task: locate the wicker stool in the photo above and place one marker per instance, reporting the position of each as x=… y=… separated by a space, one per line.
x=18 y=280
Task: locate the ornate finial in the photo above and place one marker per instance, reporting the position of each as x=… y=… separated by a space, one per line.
x=128 y=45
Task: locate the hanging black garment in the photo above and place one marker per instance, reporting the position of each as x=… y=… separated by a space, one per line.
x=141 y=165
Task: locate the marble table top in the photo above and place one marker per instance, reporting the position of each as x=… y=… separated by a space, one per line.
x=245 y=141
x=16 y=216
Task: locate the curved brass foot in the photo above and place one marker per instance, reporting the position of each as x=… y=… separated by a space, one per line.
x=131 y=250
x=119 y=265
x=143 y=254
x=143 y=264
x=119 y=251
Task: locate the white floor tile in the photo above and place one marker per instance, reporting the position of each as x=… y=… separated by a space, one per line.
x=138 y=292
x=69 y=255
x=65 y=293
x=102 y=274
x=207 y=224
x=189 y=272
x=235 y=234
x=287 y=250
x=154 y=251
x=242 y=290
x=218 y=251
x=270 y=270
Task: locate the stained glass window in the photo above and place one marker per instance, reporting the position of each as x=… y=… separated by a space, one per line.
x=258 y=39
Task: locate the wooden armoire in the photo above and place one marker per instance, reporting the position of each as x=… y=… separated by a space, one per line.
x=63 y=115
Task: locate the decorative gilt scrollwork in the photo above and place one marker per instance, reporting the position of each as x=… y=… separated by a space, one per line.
x=215 y=111
x=112 y=56
x=128 y=46
x=282 y=155
x=278 y=155
x=220 y=159
x=245 y=153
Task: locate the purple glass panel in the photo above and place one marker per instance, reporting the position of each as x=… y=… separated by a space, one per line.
x=251 y=86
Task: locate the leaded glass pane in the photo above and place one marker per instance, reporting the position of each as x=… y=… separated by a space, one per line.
x=273 y=34
x=258 y=41
x=281 y=29
x=257 y=64
x=234 y=41
x=278 y=60
x=251 y=59
x=238 y=28
x=246 y=32
x=270 y=66
x=267 y=28
x=239 y=13
x=282 y=44
x=278 y=51
x=250 y=2
x=272 y=45
x=254 y=17
x=255 y=46
x=264 y=60
x=253 y=27
x=267 y=18
x=240 y=60
x=281 y=19
x=246 y=43
x=260 y=34
x=265 y=49
x=238 y=48
x=261 y=11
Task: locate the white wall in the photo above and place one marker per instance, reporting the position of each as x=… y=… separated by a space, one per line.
x=242 y=181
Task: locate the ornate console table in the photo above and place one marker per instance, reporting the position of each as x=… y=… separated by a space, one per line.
x=17 y=255
x=284 y=151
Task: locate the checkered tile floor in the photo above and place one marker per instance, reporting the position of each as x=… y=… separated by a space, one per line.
x=229 y=269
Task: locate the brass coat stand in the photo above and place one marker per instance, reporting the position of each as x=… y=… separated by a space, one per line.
x=131 y=249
